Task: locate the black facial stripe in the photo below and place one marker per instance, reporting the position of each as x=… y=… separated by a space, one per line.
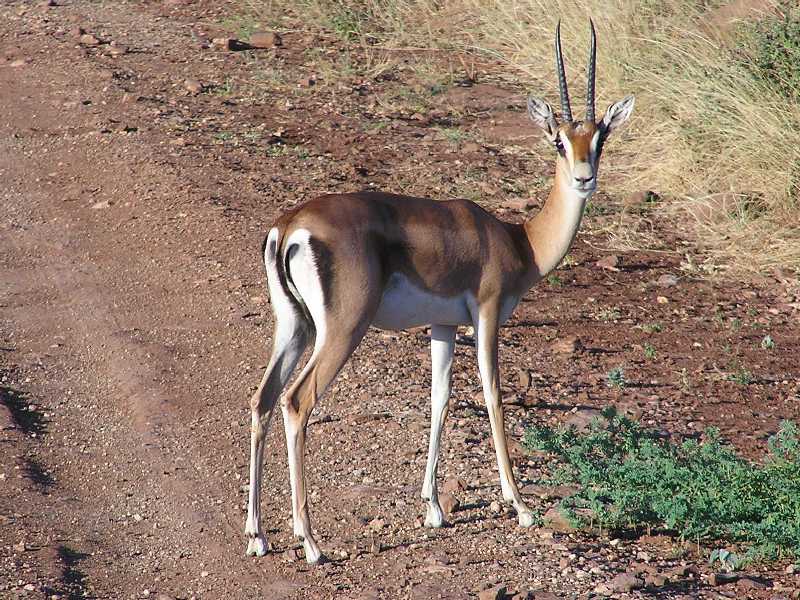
x=559 y=146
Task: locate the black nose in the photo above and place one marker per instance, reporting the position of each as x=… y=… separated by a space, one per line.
x=584 y=179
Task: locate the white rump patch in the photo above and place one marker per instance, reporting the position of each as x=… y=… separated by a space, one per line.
x=305 y=276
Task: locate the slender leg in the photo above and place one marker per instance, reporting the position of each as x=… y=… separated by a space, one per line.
x=442 y=347
x=290 y=341
x=328 y=358
x=487 y=326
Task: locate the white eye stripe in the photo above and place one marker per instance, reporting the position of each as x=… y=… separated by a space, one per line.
x=594 y=143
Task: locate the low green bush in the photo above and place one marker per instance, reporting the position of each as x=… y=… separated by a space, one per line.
x=630 y=477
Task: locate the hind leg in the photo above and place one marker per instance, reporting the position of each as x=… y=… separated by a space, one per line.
x=289 y=341
x=328 y=358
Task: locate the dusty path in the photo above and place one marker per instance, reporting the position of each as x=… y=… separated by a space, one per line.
x=135 y=322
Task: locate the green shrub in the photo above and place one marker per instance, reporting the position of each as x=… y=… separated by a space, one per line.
x=775 y=49
x=629 y=477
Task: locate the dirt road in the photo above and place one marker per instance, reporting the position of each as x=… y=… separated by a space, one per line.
x=135 y=324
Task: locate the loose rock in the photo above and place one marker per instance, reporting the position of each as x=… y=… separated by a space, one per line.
x=449 y=503
x=87 y=39
x=265 y=39
x=582 y=419
x=610 y=262
x=557 y=521
x=567 y=345
x=495 y=593
x=193 y=86
x=667 y=280
x=625 y=582
x=452 y=485
x=519 y=204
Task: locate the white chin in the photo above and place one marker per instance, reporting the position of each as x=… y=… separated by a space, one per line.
x=583 y=194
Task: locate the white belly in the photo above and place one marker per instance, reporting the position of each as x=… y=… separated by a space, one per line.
x=405 y=305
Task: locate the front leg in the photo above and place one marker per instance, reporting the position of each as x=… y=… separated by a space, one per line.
x=442 y=348
x=486 y=326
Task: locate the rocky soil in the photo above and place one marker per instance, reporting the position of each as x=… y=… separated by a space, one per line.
x=143 y=155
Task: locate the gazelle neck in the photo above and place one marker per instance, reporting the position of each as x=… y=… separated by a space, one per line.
x=551 y=232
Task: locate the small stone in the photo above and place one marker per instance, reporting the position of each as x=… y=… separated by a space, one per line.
x=100 y=205
x=138 y=518
x=642 y=555
x=377 y=524
x=292 y=555
x=87 y=39
x=654 y=580
x=470 y=147
x=790 y=569
x=625 y=582
x=610 y=262
x=375 y=546
x=77 y=31
x=117 y=50
x=20 y=62
x=29 y=587
x=567 y=345
x=679 y=571
x=524 y=377
x=20 y=547
x=204 y=573
x=224 y=43
x=453 y=485
x=641 y=197
x=662 y=300
x=667 y=280
x=449 y=503
x=557 y=521
x=496 y=507
x=193 y=86
x=582 y=419
x=497 y=592
x=601 y=589
x=265 y=39
x=519 y=204
x=746 y=584
x=716 y=579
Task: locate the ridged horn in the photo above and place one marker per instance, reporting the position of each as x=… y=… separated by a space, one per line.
x=566 y=111
x=591 y=72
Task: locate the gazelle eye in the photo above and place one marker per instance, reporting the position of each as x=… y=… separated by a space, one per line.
x=559 y=145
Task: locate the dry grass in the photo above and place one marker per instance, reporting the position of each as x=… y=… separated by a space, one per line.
x=720 y=143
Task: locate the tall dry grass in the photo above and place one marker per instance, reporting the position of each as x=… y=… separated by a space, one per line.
x=714 y=137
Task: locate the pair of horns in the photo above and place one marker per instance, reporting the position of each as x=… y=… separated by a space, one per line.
x=566 y=111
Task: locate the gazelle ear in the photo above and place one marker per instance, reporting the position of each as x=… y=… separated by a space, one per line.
x=617 y=114
x=541 y=113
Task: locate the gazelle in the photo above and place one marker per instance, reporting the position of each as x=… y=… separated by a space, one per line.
x=342 y=262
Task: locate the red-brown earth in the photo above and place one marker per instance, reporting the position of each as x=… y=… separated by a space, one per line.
x=135 y=324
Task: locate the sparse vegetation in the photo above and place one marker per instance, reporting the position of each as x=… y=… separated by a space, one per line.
x=767 y=343
x=554 y=280
x=454 y=135
x=609 y=313
x=615 y=378
x=649 y=351
x=741 y=376
x=631 y=477
x=652 y=328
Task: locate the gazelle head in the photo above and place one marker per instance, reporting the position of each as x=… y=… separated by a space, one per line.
x=578 y=143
